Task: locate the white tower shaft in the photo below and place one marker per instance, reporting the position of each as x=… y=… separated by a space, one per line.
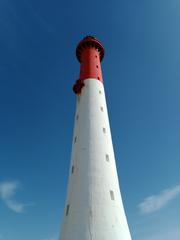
x=94 y=208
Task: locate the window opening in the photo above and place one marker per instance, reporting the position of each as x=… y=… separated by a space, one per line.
x=102 y=109
x=75 y=139
x=72 y=170
x=107 y=157
x=112 y=195
x=67 y=209
x=104 y=130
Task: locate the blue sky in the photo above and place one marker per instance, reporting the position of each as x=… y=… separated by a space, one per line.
x=141 y=73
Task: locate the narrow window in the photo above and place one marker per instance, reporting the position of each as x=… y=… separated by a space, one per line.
x=112 y=195
x=97 y=66
x=75 y=139
x=77 y=117
x=95 y=56
x=98 y=78
x=104 y=130
x=100 y=92
x=107 y=157
x=67 y=209
x=72 y=170
x=102 y=109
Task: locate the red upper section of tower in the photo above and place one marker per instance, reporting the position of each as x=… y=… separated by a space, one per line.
x=90 y=53
x=89 y=42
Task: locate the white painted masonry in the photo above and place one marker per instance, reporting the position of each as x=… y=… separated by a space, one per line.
x=94 y=208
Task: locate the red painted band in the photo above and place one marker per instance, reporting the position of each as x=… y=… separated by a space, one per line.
x=90 y=64
x=89 y=52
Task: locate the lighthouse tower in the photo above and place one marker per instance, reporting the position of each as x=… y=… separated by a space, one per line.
x=94 y=208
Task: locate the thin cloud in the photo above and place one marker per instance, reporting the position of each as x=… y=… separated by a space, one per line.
x=55 y=237
x=166 y=235
x=7 y=191
x=155 y=202
x=50 y=28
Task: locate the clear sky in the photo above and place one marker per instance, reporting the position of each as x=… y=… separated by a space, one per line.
x=141 y=72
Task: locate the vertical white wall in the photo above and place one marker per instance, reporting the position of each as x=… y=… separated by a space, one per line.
x=94 y=209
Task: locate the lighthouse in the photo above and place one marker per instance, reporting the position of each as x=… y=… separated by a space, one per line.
x=94 y=208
